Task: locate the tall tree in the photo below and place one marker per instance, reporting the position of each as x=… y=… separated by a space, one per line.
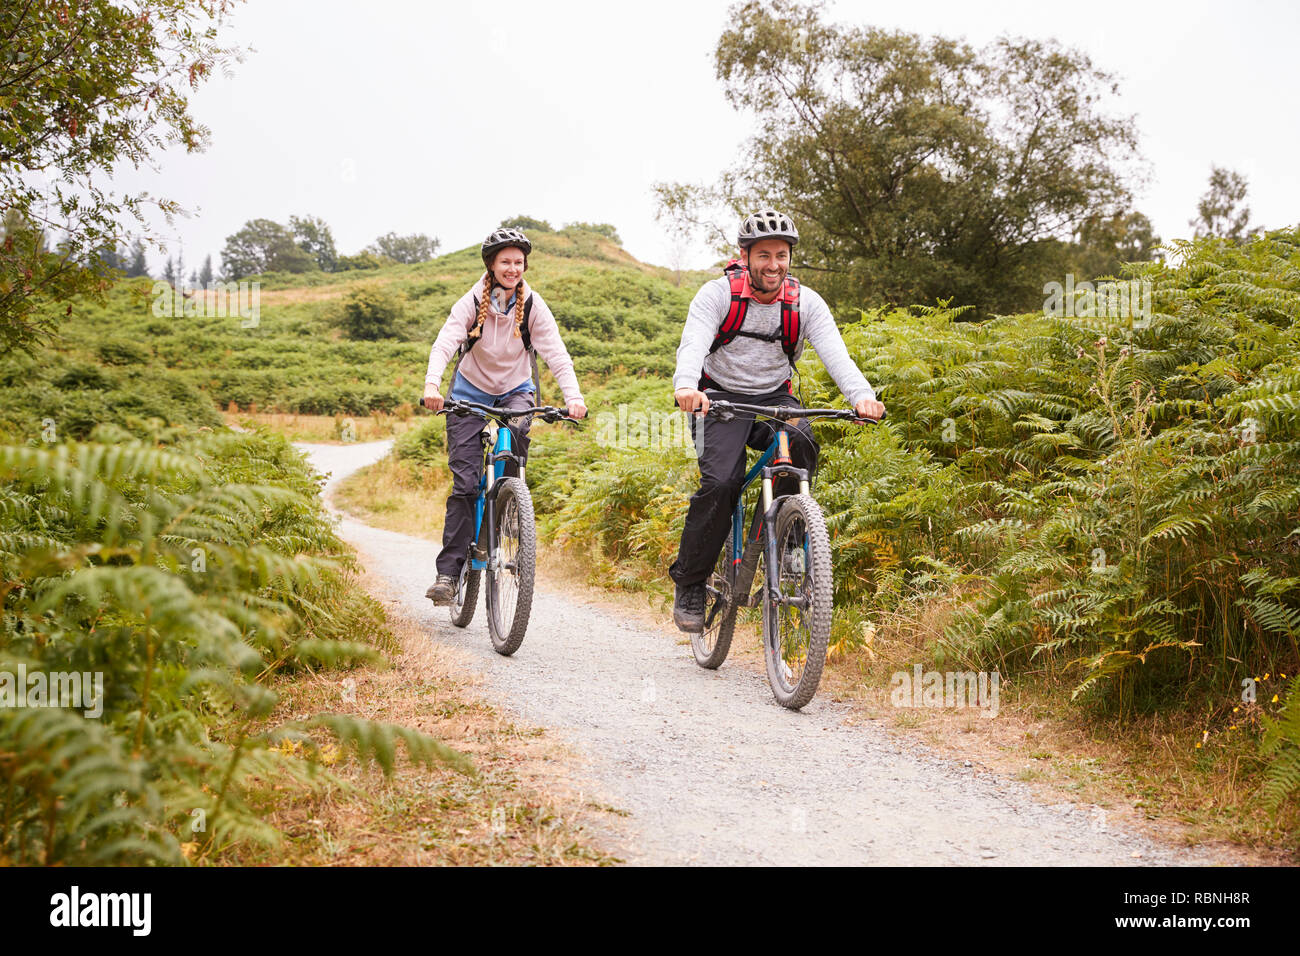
x=916 y=168
x=88 y=87
x=263 y=245
x=1104 y=244
x=1222 y=210
x=169 y=271
x=315 y=238
x=139 y=263
x=205 y=274
x=414 y=248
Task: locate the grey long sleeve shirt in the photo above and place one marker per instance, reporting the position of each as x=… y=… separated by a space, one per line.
x=752 y=366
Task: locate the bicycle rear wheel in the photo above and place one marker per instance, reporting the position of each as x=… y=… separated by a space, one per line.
x=511 y=568
x=797 y=628
x=463 y=604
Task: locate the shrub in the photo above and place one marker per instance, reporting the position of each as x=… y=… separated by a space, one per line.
x=370 y=314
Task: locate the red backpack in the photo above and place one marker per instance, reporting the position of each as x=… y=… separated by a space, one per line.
x=732 y=325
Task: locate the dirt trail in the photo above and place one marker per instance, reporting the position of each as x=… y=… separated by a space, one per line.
x=712 y=770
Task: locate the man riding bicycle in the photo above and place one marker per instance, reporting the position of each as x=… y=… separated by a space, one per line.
x=743 y=335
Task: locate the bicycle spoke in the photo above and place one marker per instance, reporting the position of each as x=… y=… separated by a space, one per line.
x=507 y=574
x=795 y=589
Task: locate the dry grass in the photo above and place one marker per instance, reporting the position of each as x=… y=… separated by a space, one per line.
x=326 y=429
x=1147 y=773
x=397 y=496
x=519 y=809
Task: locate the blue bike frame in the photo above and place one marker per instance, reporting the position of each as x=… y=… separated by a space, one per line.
x=502 y=451
x=766 y=507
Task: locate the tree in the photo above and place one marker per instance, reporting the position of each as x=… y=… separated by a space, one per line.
x=916 y=169
x=600 y=228
x=205 y=274
x=263 y=245
x=139 y=263
x=405 y=249
x=169 y=271
x=107 y=259
x=86 y=91
x=315 y=238
x=1104 y=244
x=370 y=314
x=526 y=224
x=1222 y=211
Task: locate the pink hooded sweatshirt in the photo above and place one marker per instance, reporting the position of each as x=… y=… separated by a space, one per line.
x=499 y=363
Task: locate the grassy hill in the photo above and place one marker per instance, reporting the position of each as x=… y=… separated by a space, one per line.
x=619 y=316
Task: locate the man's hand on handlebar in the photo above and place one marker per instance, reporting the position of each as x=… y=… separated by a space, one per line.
x=869 y=408
x=692 y=401
x=432 y=398
x=577 y=410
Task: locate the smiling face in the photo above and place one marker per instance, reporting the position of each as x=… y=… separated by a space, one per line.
x=768 y=261
x=508 y=267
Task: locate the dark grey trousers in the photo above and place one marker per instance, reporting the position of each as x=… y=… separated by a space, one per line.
x=466 y=435
x=721 y=449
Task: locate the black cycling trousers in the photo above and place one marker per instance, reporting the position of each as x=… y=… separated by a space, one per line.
x=721 y=449
x=465 y=437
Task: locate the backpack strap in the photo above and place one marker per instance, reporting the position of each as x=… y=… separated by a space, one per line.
x=790 y=317
x=735 y=318
x=526 y=333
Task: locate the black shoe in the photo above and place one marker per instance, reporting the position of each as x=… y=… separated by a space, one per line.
x=443 y=591
x=688 y=608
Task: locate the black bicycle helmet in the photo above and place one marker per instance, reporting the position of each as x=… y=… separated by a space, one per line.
x=768 y=224
x=500 y=239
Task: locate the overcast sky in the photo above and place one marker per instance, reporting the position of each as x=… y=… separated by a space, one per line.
x=445 y=118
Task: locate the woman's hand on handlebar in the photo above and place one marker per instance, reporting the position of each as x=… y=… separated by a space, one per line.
x=577 y=410
x=432 y=398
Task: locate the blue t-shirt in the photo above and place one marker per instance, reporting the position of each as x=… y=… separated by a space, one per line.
x=463 y=391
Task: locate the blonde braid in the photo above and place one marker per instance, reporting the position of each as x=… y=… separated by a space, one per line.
x=519 y=304
x=483 y=306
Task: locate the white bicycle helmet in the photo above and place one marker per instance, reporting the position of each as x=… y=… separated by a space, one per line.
x=768 y=224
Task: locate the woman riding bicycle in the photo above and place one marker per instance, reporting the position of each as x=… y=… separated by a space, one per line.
x=494 y=327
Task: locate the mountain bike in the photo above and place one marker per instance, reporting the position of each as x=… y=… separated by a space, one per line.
x=787 y=534
x=505 y=533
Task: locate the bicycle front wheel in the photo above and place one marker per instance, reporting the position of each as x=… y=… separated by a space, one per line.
x=511 y=567
x=797 y=627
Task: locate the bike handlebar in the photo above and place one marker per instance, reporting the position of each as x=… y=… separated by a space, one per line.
x=547 y=413
x=727 y=411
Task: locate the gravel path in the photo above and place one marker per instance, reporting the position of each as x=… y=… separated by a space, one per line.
x=712 y=770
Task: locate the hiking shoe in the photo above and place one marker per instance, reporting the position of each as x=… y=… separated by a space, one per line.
x=688 y=608
x=443 y=591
